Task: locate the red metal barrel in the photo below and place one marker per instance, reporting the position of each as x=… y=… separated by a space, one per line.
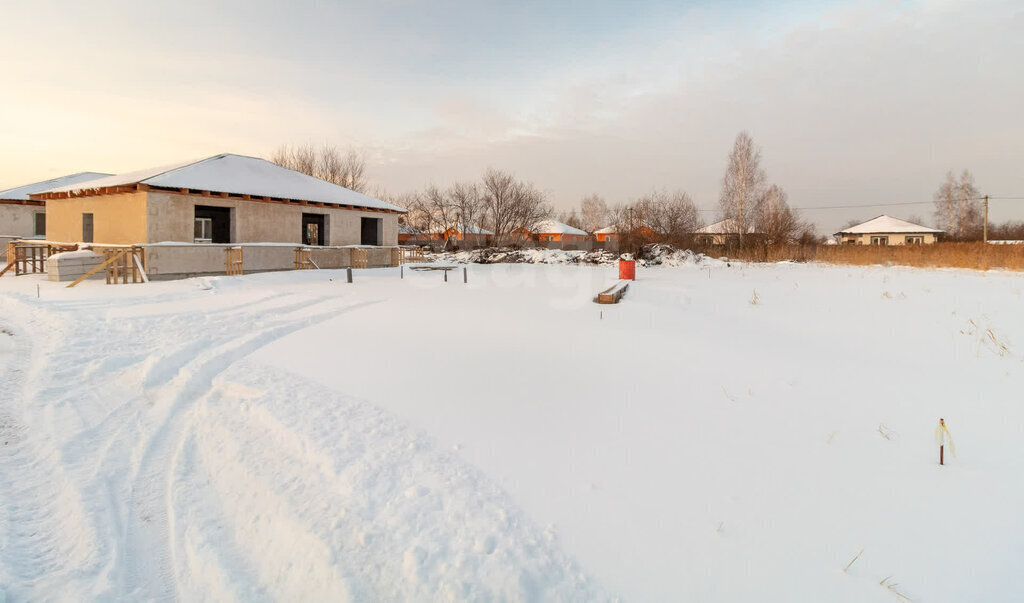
x=627 y=270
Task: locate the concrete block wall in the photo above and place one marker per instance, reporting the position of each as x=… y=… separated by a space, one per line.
x=167 y=261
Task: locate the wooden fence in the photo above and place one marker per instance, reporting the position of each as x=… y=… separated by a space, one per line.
x=234 y=265
x=304 y=259
x=124 y=264
x=358 y=259
x=29 y=257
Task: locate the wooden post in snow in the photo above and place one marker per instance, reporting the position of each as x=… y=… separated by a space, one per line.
x=942 y=438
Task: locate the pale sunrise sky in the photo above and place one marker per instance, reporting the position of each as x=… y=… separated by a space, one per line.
x=852 y=102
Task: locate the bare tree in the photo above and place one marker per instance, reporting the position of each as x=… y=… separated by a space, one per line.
x=468 y=204
x=671 y=217
x=325 y=163
x=418 y=213
x=743 y=183
x=969 y=215
x=511 y=204
x=775 y=219
x=571 y=217
x=594 y=213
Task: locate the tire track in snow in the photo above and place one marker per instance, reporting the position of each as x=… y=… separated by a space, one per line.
x=41 y=523
x=51 y=531
x=324 y=498
x=150 y=573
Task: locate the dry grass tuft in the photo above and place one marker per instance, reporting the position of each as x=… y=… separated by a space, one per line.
x=892 y=588
x=856 y=557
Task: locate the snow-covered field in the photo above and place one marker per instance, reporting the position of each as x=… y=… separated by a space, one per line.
x=725 y=434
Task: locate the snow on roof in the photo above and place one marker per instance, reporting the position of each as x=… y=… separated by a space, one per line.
x=607 y=230
x=553 y=226
x=409 y=230
x=21 y=193
x=884 y=224
x=240 y=175
x=727 y=226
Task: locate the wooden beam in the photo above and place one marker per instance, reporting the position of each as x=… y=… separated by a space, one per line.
x=613 y=294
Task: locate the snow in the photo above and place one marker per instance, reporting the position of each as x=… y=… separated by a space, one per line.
x=555 y=227
x=237 y=174
x=883 y=224
x=729 y=432
x=81 y=254
x=21 y=193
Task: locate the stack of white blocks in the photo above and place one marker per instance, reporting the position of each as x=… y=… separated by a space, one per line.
x=70 y=265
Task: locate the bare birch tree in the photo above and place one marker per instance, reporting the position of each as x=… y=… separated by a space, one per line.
x=969 y=215
x=743 y=183
x=957 y=206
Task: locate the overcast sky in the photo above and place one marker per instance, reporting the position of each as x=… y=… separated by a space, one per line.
x=852 y=103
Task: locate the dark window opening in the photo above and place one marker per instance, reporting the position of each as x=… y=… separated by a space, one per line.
x=212 y=224
x=87 y=228
x=313 y=229
x=372 y=231
x=40 y=224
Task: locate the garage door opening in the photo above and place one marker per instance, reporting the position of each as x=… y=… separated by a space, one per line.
x=212 y=224
x=373 y=231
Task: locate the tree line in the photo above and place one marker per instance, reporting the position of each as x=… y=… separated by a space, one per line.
x=754 y=209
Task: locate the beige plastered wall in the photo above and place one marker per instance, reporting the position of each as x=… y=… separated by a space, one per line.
x=117 y=219
x=170 y=217
x=894 y=239
x=17 y=219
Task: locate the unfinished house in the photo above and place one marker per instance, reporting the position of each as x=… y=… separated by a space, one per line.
x=224 y=199
x=25 y=218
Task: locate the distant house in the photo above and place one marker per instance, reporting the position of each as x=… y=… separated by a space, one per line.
x=410 y=235
x=221 y=199
x=552 y=230
x=886 y=230
x=723 y=232
x=612 y=233
x=23 y=217
x=609 y=233
x=469 y=234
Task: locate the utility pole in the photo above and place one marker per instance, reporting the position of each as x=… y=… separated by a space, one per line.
x=984 y=229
